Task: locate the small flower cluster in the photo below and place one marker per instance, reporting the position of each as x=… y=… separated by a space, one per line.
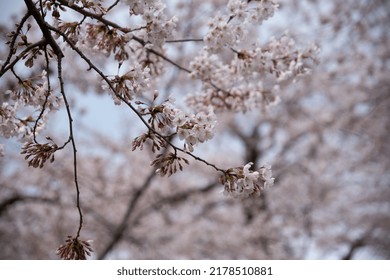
x=13 y=126
x=140 y=7
x=130 y=85
x=230 y=30
x=192 y=128
x=9 y=124
x=156 y=141
x=107 y=41
x=34 y=92
x=158 y=26
x=240 y=182
x=70 y=29
x=75 y=249
x=165 y=121
x=252 y=11
x=168 y=164
x=93 y=6
x=209 y=67
x=40 y=153
x=280 y=59
x=36 y=95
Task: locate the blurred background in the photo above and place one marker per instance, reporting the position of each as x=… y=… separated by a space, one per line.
x=327 y=141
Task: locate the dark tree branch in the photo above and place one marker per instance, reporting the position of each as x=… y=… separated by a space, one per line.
x=354 y=246
x=117 y=235
x=9 y=202
x=172 y=200
x=43 y=26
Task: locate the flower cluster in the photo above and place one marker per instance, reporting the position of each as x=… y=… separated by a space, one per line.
x=36 y=95
x=70 y=29
x=40 y=153
x=106 y=40
x=75 y=249
x=158 y=26
x=130 y=85
x=279 y=60
x=252 y=78
x=168 y=164
x=192 y=128
x=8 y=124
x=166 y=119
x=230 y=30
x=33 y=92
x=240 y=182
x=93 y=6
x=13 y=126
x=156 y=141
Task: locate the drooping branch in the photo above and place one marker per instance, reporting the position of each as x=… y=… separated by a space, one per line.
x=72 y=140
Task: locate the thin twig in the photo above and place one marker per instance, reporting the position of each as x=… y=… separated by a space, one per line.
x=113 y=5
x=13 y=41
x=71 y=138
x=184 y=40
x=169 y=60
x=21 y=55
x=16 y=76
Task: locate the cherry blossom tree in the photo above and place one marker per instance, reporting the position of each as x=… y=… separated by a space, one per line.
x=206 y=85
